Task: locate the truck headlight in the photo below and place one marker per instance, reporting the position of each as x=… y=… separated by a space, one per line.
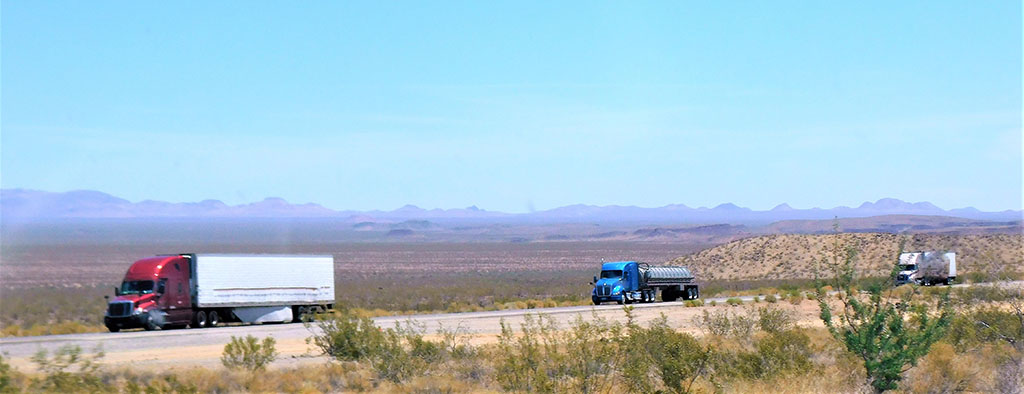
x=617 y=290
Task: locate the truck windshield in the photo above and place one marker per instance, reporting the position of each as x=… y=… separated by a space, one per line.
x=611 y=274
x=137 y=287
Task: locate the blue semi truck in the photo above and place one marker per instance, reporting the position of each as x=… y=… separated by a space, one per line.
x=626 y=282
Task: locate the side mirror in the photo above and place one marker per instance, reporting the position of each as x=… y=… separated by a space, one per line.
x=117 y=291
x=595 y=280
x=106 y=298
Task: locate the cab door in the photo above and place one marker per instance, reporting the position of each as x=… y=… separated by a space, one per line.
x=176 y=294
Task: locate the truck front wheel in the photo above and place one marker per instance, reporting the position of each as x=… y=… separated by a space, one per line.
x=151 y=324
x=114 y=328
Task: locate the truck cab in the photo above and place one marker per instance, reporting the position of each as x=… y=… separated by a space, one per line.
x=617 y=278
x=154 y=293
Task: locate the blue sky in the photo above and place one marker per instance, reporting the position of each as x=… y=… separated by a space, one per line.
x=516 y=106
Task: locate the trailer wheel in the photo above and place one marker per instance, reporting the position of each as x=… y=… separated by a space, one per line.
x=213 y=319
x=200 y=320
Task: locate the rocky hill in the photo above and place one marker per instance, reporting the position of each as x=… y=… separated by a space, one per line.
x=796 y=256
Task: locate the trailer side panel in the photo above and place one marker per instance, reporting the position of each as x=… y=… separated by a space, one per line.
x=254 y=280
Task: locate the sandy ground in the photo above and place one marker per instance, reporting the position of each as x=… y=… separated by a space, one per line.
x=158 y=350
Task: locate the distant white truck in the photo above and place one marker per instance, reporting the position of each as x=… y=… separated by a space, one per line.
x=927 y=268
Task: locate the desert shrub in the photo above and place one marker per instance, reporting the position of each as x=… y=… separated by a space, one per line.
x=453 y=343
x=7 y=384
x=977 y=277
x=405 y=353
x=393 y=362
x=693 y=303
x=726 y=323
x=526 y=363
x=985 y=325
x=679 y=359
x=345 y=337
x=166 y=384
x=591 y=353
x=582 y=358
x=713 y=303
x=777 y=353
x=674 y=360
x=395 y=354
x=770 y=298
x=248 y=353
x=973 y=295
x=774 y=320
x=717 y=323
x=68 y=371
x=944 y=371
x=886 y=332
x=734 y=301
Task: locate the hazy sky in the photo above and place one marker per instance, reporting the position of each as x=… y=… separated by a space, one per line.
x=515 y=106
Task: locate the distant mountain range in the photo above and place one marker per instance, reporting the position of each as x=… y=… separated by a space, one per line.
x=26 y=205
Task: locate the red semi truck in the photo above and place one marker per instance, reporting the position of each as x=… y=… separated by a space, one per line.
x=204 y=290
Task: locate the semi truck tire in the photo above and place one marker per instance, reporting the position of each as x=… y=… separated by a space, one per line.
x=213 y=319
x=114 y=328
x=200 y=320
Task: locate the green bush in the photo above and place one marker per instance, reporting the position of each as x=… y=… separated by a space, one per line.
x=693 y=303
x=591 y=354
x=776 y=354
x=346 y=337
x=734 y=301
x=248 y=353
x=770 y=298
x=6 y=385
x=395 y=353
x=528 y=362
x=678 y=358
x=888 y=333
x=68 y=371
x=773 y=320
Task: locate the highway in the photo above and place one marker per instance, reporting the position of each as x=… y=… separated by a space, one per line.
x=202 y=347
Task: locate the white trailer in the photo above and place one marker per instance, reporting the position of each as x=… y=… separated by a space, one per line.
x=927 y=268
x=263 y=288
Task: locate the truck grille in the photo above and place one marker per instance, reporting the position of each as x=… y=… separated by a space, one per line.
x=902 y=277
x=604 y=290
x=119 y=309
